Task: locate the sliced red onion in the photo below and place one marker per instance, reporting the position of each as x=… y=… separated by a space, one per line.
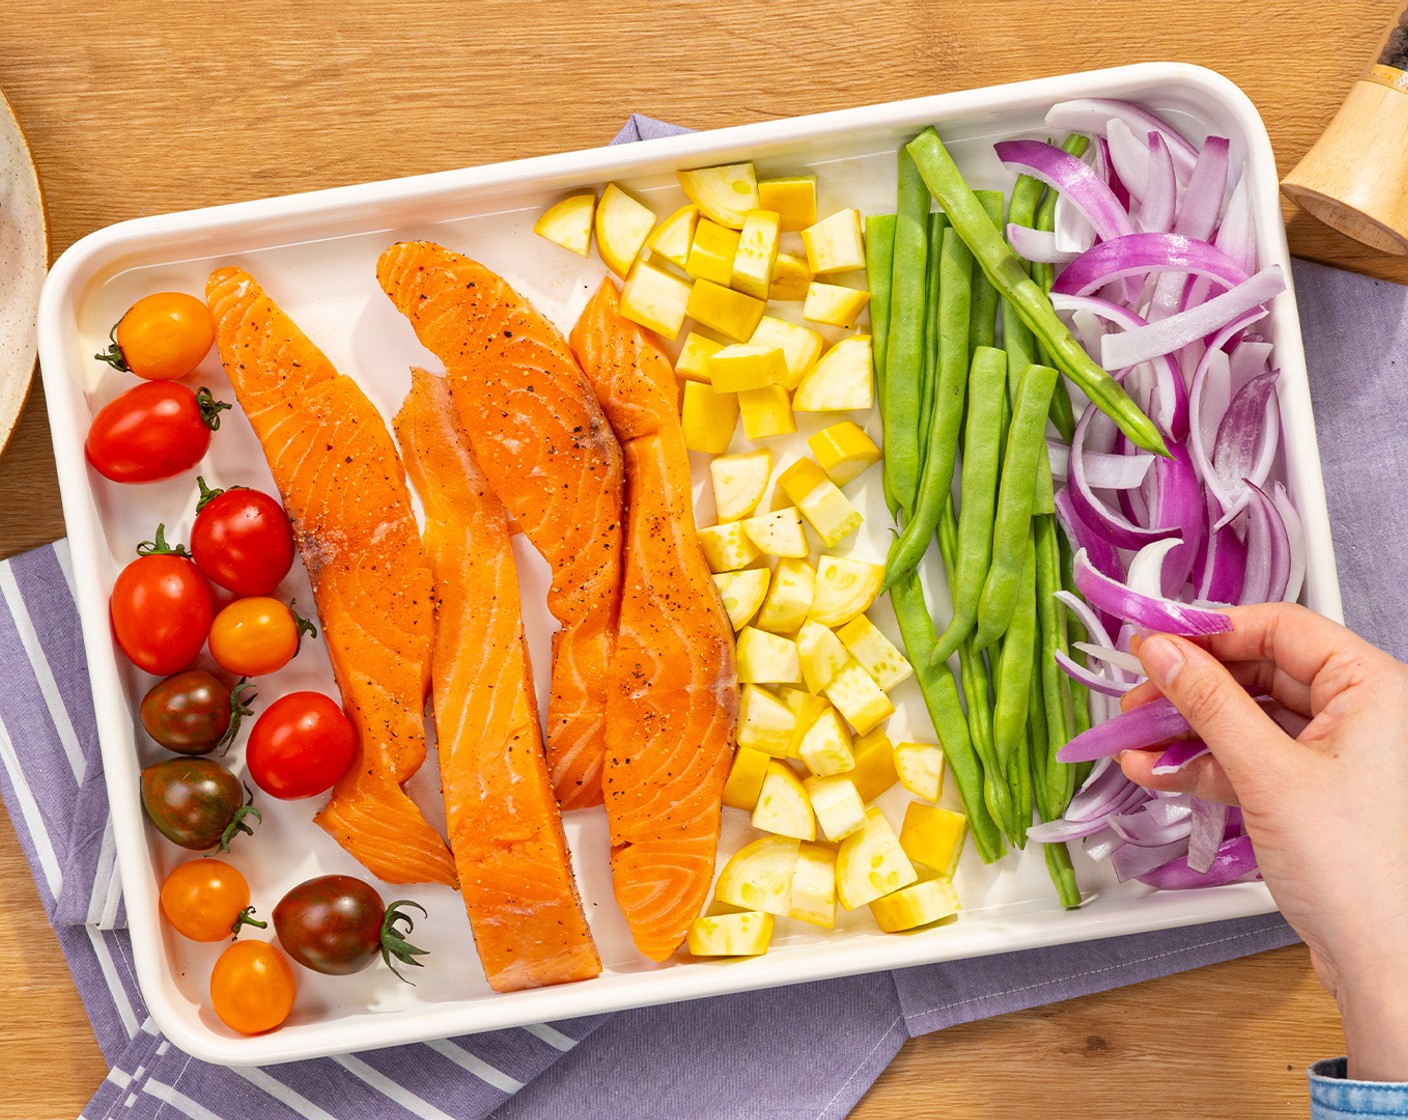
x=1295 y=536
x=1062 y=831
x=1096 y=682
x=1116 y=528
x=1094 y=625
x=1144 y=726
x=1059 y=454
x=1161 y=196
x=1138 y=253
x=1134 y=862
x=1074 y=178
x=1092 y=115
x=1147 y=611
x=1101 y=845
x=1235 y=859
x=1117 y=659
x=1143 y=830
x=1117 y=472
x=1197 y=217
x=1246 y=360
x=1146 y=570
x=1246 y=441
x=1129 y=156
x=1105 y=167
x=1177 y=502
x=1179 y=754
x=1205 y=836
x=1036 y=245
x=1236 y=236
x=1083 y=535
x=1268 y=550
x=1168 y=809
x=1073 y=233
x=1221 y=570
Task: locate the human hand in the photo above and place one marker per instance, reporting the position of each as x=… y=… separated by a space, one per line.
x=1327 y=810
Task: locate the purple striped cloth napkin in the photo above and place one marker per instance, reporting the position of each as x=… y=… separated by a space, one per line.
x=810 y=1050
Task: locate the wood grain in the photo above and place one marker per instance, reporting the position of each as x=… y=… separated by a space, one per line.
x=136 y=109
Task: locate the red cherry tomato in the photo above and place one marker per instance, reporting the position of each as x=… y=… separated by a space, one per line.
x=252 y=987
x=242 y=539
x=154 y=431
x=300 y=746
x=161 y=609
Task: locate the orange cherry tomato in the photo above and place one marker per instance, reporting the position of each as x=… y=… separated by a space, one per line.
x=206 y=900
x=161 y=337
x=252 y=987
x=256 y=636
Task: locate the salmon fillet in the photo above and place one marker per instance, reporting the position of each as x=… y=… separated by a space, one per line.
x=541 y=440
x=342 y=483
x=504 y=824
x=673 y=700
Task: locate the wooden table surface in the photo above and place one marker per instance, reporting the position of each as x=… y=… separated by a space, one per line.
x=140 y=108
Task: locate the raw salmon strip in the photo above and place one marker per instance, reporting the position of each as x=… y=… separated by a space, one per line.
x=548 y=452
x=673 y=703
x=504 y=824
x=336 y=467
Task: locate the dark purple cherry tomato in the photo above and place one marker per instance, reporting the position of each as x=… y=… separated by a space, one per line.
x=155 y=430
x=336 y=924
x=196 y=803
x=241 y=539
x=194 y=712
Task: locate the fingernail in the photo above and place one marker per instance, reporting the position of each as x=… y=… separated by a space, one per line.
x=1162 y=659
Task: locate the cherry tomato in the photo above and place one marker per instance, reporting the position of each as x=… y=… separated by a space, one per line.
x=153 y=431
x=336 y=924
x=300 y=746
x=242 y=539
x=207 y=900
x=162 y=336
x=194 y=712
x=256 y=636
x=161 y=609
x=196 y=803
x=252 y=987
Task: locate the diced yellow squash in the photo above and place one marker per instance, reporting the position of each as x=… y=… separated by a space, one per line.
x=793 y=198
x=870 y=863
x=778 y=533
x=727 y=548
x=766 y=412
x=745 y=778
x=675 y=235
x=743 y=593
x=745 y=934
x=826 y=509
x=765 y=723
x=746 y=366
x=711 y=253
x=921 y=768
x=821 y=654
x=845 y=588
x=807 y=708
x=731 y=313
x=919 y=904
x=814 y=886
x=789 y=595
x=708 y=418
x=841 y=380
x=875 y=764
x=622 y=225
x=759 y=875
x=835 y=244
x=858 y=698
x=739 y=482
x=933 y=837
x=765 y=658
x=825 y=746
x=877 y=655
x=837 y=805
x=834 y=304
x=790 y=279
x=693 y=362
x=569 y=223
x=842 y=450
x=757 y=253
x=655 y=299
x=725 y=194
x=784 y=808
x=800 y=346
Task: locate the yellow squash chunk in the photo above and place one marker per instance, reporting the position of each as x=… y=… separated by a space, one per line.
x=746 y=366
x=870 y=863
x=693 y=362
x=843 y=450
x=765 y=658
x=779 y=533
x=569 y=223
x=793 y=198
x=708 y=418
x=745 y=934
x=675 y=235
x=800 y=346
x=739 y=482
x=821 y=654
x=837 y=805
x=712 y=252
x=759 y=876
x=841 y=380
x=921 y=768
x=845 y=588
x=877 y=655
x=826 y=509
x=731 y=313
x=790 y=279
x=814 y=886
x=807 y=708
x=766 y=412
x=745 y=778
x=918 y=904
x=789 y=595
x=875 y=764
x=833 y=304
x=858 y=698
x=756 y=254
x=725 y=194
x=622 y=225
x=784 y=808
x=835 y=244
x=765 y=723
x=727 y=548
x=825 y=746
x=743 y=593
x=933 y=837
x=655 y=299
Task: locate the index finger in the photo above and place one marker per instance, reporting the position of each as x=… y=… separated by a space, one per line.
x=1294 y=638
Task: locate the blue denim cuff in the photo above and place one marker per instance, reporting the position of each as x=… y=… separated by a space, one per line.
x=1334 y=1097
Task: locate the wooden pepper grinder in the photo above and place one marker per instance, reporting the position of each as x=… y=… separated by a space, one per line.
x=1353 y=179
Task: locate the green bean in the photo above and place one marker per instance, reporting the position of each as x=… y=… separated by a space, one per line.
x=1060 y=776
x=982 y=325
x=904 y=359
x=1058 y=858
x=1005 y=270
x=879 y=256
x=1017 y=337
x=1061 y=413
x=1014 y=668
x=977 y=495
x=1063 y=875
x=937 y=224
x=1075 y=632
x=1026 y=447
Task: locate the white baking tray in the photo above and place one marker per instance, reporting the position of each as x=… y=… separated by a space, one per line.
x=315 y=254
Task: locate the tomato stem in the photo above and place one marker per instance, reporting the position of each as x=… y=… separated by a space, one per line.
x=208 y=495
x=302 y=626
x=246 y=918
x=113 y=354
x=239 y=706
x=393 y=940
x=237 y=822
x=210 y=408
x=159 y=547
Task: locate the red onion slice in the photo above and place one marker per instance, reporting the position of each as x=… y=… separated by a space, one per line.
x=1118 y=660
x=1246 y=442
x=1096 y=682
x=1295 y=536
x=1074 y=178
x=1178 y=755
x=1205 y=835
x=1221 y=570
x=1161 y=195
x=1147 y=611
x=1197 y=217
x=1101 y=845
x=1268 y=550
x=1138 y=253
x=1143 y=830
x=1092 y=115
x=1235 y=859
x=1116 y=528
x=1144 y=726
x=1084 y=536
x=1036 y=245
x=1133 y=861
